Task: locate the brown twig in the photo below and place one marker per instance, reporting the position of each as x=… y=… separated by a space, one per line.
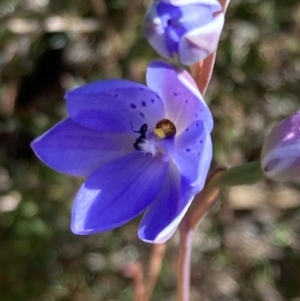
x=157 y=255
x=135 y=272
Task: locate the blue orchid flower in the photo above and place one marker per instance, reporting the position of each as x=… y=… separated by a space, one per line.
x=141 y=149
x=280 y=156
x=188 y=28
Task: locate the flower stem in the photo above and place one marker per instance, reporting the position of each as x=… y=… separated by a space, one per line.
x=201 y=205
x=202 y=71
x=247 y=173
x=184 y=263
x=157 y=255
x=134 y=271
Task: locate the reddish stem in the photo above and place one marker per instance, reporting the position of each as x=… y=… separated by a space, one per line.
x=184 y=263
x=204 y=201
x=202 y=71
x=157 y=255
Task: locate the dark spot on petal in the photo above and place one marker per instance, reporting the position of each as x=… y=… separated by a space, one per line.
x=142 y=114
x=187 y=129
x=133 y=106
x=201 y=110
x=143 y=104
x=198 y=154
x=157 y=95
x=196 y=115
x=141 y=89
x=201 y=141
x=186 y=101
x=152 y=100
x=175 y=94
x=116 y=95
x=197 y=124
x=188 y=149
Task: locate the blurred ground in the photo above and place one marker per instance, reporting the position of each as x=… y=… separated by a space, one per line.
x=247 y=248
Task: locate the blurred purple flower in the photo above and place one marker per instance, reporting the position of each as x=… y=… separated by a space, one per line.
x=189 y=28
x=142 y=148
x=280 y=158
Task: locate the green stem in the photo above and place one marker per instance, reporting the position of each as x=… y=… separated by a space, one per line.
x=245 y=174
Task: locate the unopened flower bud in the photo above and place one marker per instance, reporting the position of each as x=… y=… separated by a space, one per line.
x=280 y=158
x=188 y=28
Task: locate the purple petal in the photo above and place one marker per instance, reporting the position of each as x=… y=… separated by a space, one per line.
x=193 y=153
x=166 y=212
x=174 y=29
x=190 y=29
x=197 y=44
x=112 y=105
x=284 y=133
x=179 y=20
x=155 y=32
x=186 y=17
x=117 y=192
x=280 y=156
x=182 y=99
x=72 y=149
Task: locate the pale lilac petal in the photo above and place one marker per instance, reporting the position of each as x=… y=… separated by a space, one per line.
x=112 y=105
x=280 y=156
x=197 y=44
x=214 y=4
x=117 y=192
x=189 y=29
x=166 y=24
x=72 y=149
x=164 y=215
x=193 y=16
x=282 y=163
x=155 y=32
x=193 y=153
x=177 y=89
x=284 y=133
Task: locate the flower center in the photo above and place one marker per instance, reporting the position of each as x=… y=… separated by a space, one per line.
x=165 y=129
x=159 y=140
